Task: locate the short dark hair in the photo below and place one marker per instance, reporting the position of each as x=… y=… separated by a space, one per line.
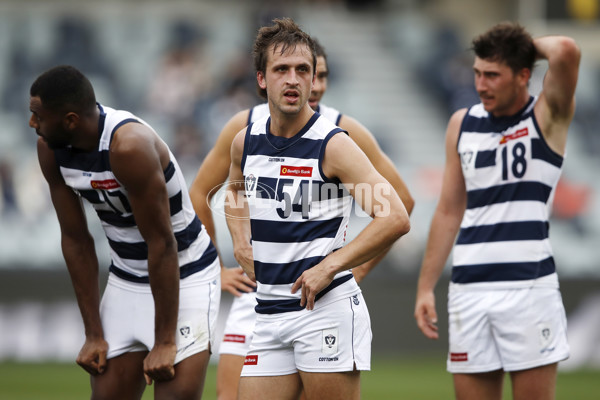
x=284 y=32
x=320 y=50
x=64 y=88
x=506 y=42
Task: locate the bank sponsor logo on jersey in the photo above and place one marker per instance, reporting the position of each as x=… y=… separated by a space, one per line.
x=251 y=359
x=516 y=135
x=459 y=357
x=105 y=184
x=330 y=341
x=234 y=338
x=288 y=170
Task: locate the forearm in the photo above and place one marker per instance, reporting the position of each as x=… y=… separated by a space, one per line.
x=82 y=264
x=362 y=270
x=163 y=271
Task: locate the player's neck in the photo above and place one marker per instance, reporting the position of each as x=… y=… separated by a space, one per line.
x=288 y=125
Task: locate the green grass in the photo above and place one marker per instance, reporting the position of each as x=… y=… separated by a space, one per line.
x=405 y=378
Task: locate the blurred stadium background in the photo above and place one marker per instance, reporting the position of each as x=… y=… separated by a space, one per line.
x=401 y=67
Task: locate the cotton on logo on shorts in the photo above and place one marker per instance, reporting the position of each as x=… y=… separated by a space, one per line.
x=251 y=360
x=459 y=357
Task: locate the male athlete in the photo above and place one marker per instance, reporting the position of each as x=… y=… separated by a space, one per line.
x=293 y=174
x=503 y=161
x=159 y=308
x=213 y=172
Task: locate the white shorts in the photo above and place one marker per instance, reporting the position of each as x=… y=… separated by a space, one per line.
x=127 y=313
x=332 y=338
x=239 y=326
x=509 y=329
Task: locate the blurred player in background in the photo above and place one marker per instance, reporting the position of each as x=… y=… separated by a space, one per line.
x=213 y=172
x=503 y=161
x=159 y=308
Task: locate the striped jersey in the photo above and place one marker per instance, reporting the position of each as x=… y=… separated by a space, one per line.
x=510 y=174
x=262 y=110
x=90 y=176
x=297 y=215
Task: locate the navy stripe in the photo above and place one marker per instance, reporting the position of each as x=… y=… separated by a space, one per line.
x=120 y=124
x=509 y=231
x=503 y=271
x=294 y=232
x=266 y=188
x=485 y=158
x=169 y=171
x=208 y=257
x=176 y=203
x=337 y=120
x=541 y=151
x=519 y=191
x=285 y=273
x=280 y=306
x=282 y=143
x=247 y=140
x=120 y=221
x=322 y=153
x=139 y=250
x=92 y=195
x=304 y=148
x=116 y=220
x=490 y=123
x=96 y=161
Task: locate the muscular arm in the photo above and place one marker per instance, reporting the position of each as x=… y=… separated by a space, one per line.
x=236 y=210
x=80 y=257
x=444 y=227
x=382 y=163
x=345 y=161
x=556 y=105
x=212 y=173
x=138 y=159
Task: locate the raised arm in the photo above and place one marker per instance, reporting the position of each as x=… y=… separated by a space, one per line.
x=556 y=105
x=236 y=209
x=444 y=228
x=212 y=173
x=344 y=160
x=80 y=256
x=382 y=163
x=138 y=159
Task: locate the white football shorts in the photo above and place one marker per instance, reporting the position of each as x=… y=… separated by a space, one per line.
x=509 y=329
x=127 y=313
x=332 y=338
x=239 y=325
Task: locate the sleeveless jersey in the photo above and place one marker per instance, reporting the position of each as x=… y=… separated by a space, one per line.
x=90 y=176
x=510 y=174
x=298 y=216
x=262 y=110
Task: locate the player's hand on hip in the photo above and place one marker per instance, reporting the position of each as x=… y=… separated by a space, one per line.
x=159 y=363
x=245 y=258
x=235 y=281
x=92 y=356
x=426 y=315
x=311 y=282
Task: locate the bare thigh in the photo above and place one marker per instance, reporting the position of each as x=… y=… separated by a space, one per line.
x=228 y=376
x=485 y=385
x=122 y=379
x=332 y=385
x=535 y=383
x=188 y=383
x=283 y=387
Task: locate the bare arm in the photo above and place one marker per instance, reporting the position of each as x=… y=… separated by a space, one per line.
x=344 y=160
x=382 y=163
x=444 y=227
x=236 y=209
x=212 y=173
x=80 y=257
x=138 y=159
x=556 y=105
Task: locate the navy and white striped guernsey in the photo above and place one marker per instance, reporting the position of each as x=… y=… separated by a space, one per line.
x=510 y=174
x=262 y=110
x=298 y=216
x=90 y=176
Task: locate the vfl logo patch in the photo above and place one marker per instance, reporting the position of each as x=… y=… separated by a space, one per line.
x=546 y=337
x=459 y=357
x=330 y=341
x=185 y=331
x=106 y=184
x=355 y=299
x=250 y=182
x=251 y=360
x=516 y=135
x=235 y=338
x=286 y=170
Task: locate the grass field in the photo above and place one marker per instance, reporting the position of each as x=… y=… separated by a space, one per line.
x=413 y=379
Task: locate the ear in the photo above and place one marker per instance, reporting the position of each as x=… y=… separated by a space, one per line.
x=260 y=78
x=70 y=121
x=524 y=75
